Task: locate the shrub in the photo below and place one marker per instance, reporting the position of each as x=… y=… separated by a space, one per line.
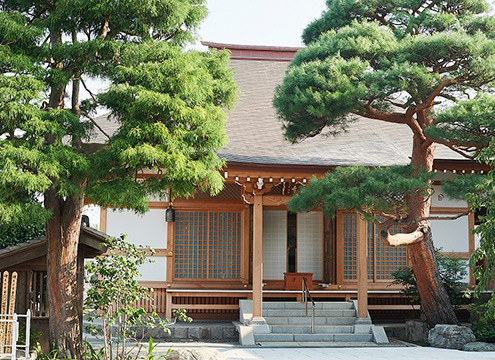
x=483 y=318
x=452 y=271
x=113 y=294
x=13 y=235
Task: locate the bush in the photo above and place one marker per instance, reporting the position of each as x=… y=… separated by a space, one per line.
x=483 y=319
x=13 y=235
x=113 y=296
x=452 y=271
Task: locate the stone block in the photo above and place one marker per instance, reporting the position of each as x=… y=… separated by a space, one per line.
x=194 y=333
x=229 y=333
x=179 y=332
x=479 y=346
x=195 y=353
x=204 y=333
x=217 y=333
x=450 y=336
x=416 y=330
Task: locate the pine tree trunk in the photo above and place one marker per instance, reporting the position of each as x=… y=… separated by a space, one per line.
x=64 y=305
x=435 y=301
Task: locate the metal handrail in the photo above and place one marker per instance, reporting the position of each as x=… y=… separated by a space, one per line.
x=306 y=294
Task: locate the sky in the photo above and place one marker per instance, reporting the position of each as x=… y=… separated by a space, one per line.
x=259 y=22
x=249 y=22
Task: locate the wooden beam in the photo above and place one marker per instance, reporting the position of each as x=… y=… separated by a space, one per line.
x=103 y=219
x=257 y=256
x=456 y=254
x=206 y=306
x=362 y=267
x=448 y=210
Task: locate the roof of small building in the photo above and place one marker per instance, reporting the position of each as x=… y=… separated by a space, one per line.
x=255 y=133
x=90 y=238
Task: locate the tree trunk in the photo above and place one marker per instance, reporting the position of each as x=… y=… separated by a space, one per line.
x=435 y=301
x=64 y=305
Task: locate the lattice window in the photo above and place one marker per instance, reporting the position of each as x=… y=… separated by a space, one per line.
x=225 y=245
x=207 y=245
x=191 y=244
x=349 y=230
x=371 y=251
x=388 y=258
x=383 y=260
x=230 y=191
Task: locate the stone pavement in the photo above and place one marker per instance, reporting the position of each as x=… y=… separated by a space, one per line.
x=235 y=352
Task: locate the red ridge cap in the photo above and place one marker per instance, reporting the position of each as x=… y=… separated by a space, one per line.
x=256 y=52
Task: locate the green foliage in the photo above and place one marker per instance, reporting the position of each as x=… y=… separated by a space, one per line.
x=405 y=17
x=114 y=293
x=150 y=355
x=452 y=271
x=470 y=124
x=361 y=188
x=34 y=337
x=169 y=102
x=52 y=355
x=482 y=195
x=90 y=353
x=13 y=235
x=389 y=60
x=483 y=321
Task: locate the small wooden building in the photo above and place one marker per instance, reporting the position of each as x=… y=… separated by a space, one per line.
x=28 y=259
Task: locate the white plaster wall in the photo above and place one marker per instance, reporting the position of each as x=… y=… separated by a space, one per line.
x=439 y=199
x=147 y=229
x=93 y=212
x=156 y=271
x=310 y=243
x=163 y=197
x=451 y=235
x=274 y=244
x=477 y=239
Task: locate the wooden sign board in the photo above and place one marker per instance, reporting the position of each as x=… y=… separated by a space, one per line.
x=7 y=307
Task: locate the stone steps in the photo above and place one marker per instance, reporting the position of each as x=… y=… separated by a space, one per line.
x=271 y=337
x=316 y=344
x=300 y=306
x=302 y=312
x=333 y=323
x=306 y=320
x=306 y=329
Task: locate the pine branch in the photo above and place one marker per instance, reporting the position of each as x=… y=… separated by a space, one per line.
x=89 y=91
x=85 y=114
x=392 y=117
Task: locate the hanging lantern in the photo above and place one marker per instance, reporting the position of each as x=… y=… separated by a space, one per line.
x=170 y=214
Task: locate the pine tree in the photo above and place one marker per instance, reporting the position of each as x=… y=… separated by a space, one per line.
x=406 y=62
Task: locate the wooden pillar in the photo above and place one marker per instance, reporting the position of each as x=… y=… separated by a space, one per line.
x=257 y=256
x=472 y=245
x=168 y=305
x=103 y=219
x=80 y=285
x=362 y=267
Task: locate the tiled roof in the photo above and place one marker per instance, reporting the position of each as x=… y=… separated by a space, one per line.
x=255 y=133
